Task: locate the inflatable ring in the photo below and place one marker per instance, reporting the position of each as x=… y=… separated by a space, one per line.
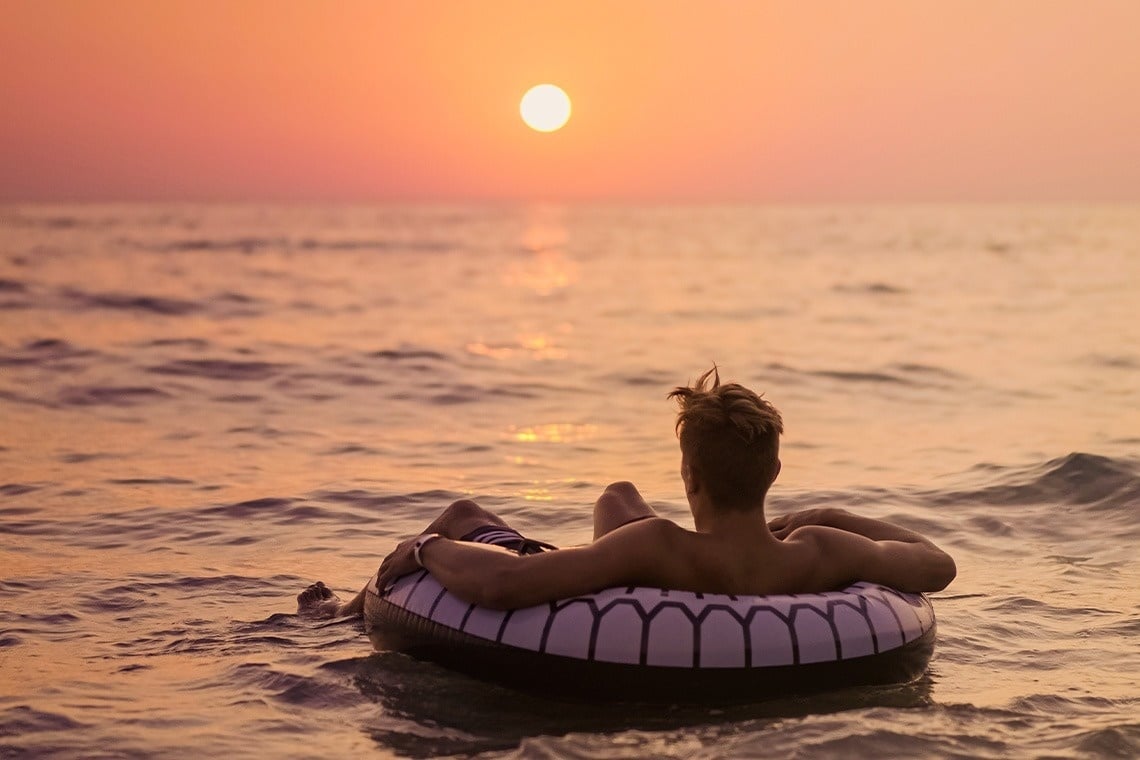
x=660 y=645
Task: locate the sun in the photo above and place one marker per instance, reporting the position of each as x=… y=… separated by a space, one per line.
x=545 y=107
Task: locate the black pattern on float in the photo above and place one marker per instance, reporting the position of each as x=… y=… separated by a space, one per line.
x=771 y=623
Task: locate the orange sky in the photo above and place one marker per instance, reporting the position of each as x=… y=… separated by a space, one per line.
x=803 y=100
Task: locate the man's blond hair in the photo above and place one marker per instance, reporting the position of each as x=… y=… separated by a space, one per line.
x=731 y=440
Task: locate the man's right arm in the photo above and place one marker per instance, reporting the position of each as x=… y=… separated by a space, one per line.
x=495 y=578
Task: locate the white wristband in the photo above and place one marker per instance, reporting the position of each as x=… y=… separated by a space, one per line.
x=420 y=543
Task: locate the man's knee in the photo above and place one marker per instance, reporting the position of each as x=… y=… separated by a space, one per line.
x=618 y=496
x=461 y=517
x=622 y=490
x=464 y=508
x=619 y=504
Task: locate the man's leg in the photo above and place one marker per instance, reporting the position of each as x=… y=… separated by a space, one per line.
x=462 y=517
x=619 y=504
x=459 y=519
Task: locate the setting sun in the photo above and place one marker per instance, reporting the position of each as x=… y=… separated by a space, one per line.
x=545 y=107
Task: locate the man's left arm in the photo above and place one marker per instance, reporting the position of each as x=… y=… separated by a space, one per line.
x=847 y=556
x=870 y=549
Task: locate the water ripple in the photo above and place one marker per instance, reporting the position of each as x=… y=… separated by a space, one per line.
x=219 y=369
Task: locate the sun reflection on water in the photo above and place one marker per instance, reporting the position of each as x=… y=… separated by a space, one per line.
x=547 y=268
x=538 y=347
x=558 y=432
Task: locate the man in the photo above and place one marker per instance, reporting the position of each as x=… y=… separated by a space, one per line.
x=730 y=445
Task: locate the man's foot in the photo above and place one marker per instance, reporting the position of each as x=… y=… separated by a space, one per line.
x=318 y=602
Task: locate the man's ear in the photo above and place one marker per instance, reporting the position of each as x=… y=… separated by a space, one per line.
x=692 y=482
x=776 y=474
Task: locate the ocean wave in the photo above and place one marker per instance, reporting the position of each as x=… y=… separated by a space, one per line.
x=157 y=481
x=194 y=343
x=238 y=398
x=1106 y=485
x=22 y=719
x=17 y=489
x=1113 y=361
x=643 y=378
x=871 y=288
x=44 y=351
x=225 y=304
x=250 y=508
x=1075 y=479
x=926 y=369
x=250 y=244
x=219 y=369
x=1114 y=741
x=294 y=689
x=350 y=379
x=103 y=395
x=22 y=219
x=860 y=377
x=347 y=449
x=22 y=399
x=78 y=299
x=407 y=354
x=898 y=374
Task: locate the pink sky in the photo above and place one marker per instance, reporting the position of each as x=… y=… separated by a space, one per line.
x=797 y=101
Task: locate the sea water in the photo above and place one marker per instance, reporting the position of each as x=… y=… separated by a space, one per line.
x=203 y=409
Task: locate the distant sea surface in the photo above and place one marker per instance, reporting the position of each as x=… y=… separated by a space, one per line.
x=203 y=409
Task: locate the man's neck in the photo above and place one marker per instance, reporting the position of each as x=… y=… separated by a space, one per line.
x=709 y=518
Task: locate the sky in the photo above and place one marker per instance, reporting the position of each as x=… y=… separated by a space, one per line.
x=793 y=101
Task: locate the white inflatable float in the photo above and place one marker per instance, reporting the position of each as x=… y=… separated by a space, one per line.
x=660 y=645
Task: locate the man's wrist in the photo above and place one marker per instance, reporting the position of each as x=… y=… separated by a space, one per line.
x=420 y=543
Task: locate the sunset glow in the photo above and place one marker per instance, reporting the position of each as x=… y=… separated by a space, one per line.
x=774 y=101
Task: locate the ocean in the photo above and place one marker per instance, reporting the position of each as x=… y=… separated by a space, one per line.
x=205 y=408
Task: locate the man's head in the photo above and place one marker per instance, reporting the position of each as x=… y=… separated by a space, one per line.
x=730 y=441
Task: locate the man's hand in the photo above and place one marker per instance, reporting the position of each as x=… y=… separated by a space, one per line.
x=401 y=561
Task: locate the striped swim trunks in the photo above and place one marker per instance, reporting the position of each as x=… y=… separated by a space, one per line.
x=508 y=538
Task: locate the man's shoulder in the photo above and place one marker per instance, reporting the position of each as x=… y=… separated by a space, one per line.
x=656 y=529
x=653 y=534
x=823 y=536
x=833 y=545
x=832 y=555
